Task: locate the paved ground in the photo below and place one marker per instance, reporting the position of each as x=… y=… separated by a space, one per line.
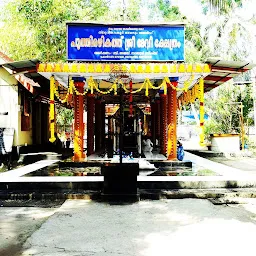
x=147 y=228
x=19 y=223
x=247 y=164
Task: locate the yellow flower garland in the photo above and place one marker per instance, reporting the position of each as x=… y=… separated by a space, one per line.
x=201 y=111
x=52 y=111
x=188 y=97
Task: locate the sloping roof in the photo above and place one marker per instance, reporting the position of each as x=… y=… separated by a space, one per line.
x=19 y=68
x=222 y=71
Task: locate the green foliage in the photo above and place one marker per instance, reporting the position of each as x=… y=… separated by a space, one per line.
x=162 y=10
x=220 y=7
x=206 y=172
x=168 y=11
x=225 y=110
x=127 y=11
x=41 y=26
x=196 y=48
x=64 y=116
x=229 y=35
x=195 y=45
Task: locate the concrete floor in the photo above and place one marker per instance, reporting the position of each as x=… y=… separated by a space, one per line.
x=147 y=228
x=19 y=223
x=246 y=164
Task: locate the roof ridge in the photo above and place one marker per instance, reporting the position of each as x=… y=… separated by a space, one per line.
x=5 y=57
x=25 y=81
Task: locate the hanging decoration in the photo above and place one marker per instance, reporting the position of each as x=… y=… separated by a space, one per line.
x=201 y=110
x=187 y=84
x=190 y=96
x=197 y=92
x=52 y=111
x=92 y=85
x=105 y=68
x=69 y=93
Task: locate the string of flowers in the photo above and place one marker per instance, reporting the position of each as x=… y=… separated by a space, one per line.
x=186 y=97
x=52 y=110
x=187 y=83
x=58 y=95
x=152 y=86
x=92 y=85
x=190 y=97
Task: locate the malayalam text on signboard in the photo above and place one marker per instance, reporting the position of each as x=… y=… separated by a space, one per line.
x=125 y=43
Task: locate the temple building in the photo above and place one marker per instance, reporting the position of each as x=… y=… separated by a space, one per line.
x=125 y=83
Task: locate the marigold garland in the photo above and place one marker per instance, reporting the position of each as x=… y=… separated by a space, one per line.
x=52 y=110
x=146 y=84
x=201 y=111
x=188 y=97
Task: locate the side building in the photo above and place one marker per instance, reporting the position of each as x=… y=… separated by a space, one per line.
x=23 y=109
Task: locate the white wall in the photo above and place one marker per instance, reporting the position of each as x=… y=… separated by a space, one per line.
x=9 y=102
x=225 y=143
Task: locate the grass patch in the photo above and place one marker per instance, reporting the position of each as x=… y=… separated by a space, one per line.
x=206 y=172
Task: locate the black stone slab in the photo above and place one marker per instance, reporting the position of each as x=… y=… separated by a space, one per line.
x=120 y=179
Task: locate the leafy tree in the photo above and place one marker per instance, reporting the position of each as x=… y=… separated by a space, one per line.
x=42 y=26
x=220 y=7
x=163 y=10
x=196 y=48
x=64 y=117
x=224 y=107
x=168 y=11
x=125 y=11
x=229 y=37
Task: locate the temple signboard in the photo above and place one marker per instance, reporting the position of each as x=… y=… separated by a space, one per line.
x=131 y=43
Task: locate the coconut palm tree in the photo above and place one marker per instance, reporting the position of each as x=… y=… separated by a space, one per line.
x=221 y=6
x=229 y=37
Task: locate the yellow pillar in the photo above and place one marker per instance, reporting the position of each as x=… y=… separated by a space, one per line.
x=52 y=114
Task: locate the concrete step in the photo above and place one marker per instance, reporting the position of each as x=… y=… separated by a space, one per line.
x=29 y=158
x=173 y=171
x=206 y=153
x=216 y=196
x=166 y=163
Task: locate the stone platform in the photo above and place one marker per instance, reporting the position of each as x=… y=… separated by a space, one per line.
x=13 y=184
